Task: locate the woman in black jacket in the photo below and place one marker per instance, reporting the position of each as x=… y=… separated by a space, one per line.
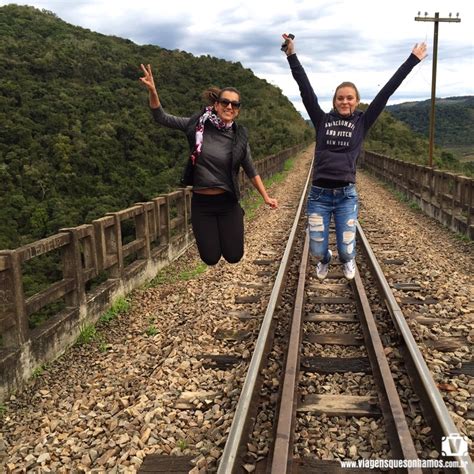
x=219 y=147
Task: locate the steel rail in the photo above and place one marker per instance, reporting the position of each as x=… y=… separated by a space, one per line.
x=429 y=391
x=229 y=459
x=282 y=451
x=400 y=439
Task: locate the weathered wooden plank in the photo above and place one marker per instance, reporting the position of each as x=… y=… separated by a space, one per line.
x=7 y=321
x=159 y=463
x=247 y=299
x=467 y=368
x=331 y=365
x=407 y=286
x=4 y=263
x=418 y=301
x=176 y=222
x=128 y=213
x=257 y=286
x=393 y=261
x=337 y=339
x=328 y=286
x=244 y=315
x=213 y=361
x=332 y=300
x=429 y=321
x=334 y=275
x=340 y=405
x=448 y=344
x=332 y=317
x=264 y=261
x=232 y=335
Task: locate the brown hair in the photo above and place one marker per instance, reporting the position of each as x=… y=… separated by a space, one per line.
x=345 y=84
x=213 y=94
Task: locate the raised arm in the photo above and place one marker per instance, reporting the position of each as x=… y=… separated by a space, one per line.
x=419 y=50
x=310 y=99
x=160 y=116
x=376 y=107
x=149 y=83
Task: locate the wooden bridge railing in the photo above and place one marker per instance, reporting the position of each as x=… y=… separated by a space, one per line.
x=445 y=196
x=98 y=263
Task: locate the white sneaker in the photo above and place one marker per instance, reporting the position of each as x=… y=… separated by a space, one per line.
x=322 y=269
x=349 y=269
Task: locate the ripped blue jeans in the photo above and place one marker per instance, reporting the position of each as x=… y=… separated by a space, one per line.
x=343 y=205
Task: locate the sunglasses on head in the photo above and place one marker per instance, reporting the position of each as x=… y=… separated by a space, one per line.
x=226 y=102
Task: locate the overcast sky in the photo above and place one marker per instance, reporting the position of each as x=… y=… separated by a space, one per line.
x=361 y=41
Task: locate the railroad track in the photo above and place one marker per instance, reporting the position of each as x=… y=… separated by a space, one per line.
x=159 y=390
x=332 y=340
x=348 y=305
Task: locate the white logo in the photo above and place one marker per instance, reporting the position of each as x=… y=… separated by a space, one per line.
x=454 y=445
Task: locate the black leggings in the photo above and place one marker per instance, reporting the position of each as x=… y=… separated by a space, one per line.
x=218 y=226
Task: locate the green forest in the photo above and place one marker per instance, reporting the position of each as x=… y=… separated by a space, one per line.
x=393 y=137
x=453 y=120
x=77 y=138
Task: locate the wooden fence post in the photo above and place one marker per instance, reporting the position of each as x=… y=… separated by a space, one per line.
x=73 y=268
x=143 y=231
x=13 y=316
x=113 y=238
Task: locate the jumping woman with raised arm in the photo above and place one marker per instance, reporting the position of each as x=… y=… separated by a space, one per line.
x=218 y=148
x=339 y=137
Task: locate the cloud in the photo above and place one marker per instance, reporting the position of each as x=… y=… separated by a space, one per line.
x=336 y=40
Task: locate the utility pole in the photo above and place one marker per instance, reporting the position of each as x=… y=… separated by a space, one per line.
x=436 y=19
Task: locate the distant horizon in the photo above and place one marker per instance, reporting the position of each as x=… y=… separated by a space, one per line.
x=429 y=100
x=448 y=97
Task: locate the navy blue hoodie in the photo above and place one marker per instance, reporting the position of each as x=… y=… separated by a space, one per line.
x=339 y=139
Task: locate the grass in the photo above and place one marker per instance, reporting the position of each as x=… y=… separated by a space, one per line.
x=3 y=410
x=151 y=331
x=168 y=275
x=182 y=444
x=463 y=238
x=38 y=371
x=190 y=274
x=88 y=334
x=104 y=347
x=403 y=198
x=251 y=203
x=288 y=165
x=121 y=305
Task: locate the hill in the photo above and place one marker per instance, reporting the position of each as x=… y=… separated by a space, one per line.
x=77 y=139
x=454 y=121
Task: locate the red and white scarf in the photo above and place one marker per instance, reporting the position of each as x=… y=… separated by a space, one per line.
x=209 y=114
